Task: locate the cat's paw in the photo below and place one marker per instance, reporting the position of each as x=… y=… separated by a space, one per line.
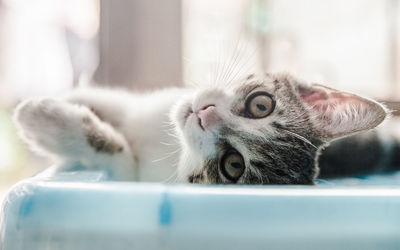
x=37 y=113
x=45 y=121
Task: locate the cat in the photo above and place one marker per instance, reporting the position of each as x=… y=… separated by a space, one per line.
x=262 y=129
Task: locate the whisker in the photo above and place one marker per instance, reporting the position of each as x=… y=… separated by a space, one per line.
x=168 y=144
x=299 y=137
x=221 y=71
x=243 y=66
x=168 y=126
x=167 y=156
x=235 y=57
x=173 y=175
x=171 y=123
x=170 y=131
x=173 y=135
x=218 y=63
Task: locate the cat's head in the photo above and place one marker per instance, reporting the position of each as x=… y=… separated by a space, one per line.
x=268 y=129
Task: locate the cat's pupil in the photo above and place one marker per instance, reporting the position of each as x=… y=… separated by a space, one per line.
x=261 y=107
x=236 y=165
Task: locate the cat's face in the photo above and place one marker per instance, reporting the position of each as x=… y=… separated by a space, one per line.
x=265 y=130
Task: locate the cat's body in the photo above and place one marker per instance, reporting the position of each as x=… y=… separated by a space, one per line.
x=371 y=152
x=264 y=130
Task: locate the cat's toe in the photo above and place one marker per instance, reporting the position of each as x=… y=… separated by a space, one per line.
x=30 y=111
x=36 y=116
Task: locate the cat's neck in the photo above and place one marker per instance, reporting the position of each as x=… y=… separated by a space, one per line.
x=151 y=134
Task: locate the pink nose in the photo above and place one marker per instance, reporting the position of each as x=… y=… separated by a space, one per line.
x=208 y=116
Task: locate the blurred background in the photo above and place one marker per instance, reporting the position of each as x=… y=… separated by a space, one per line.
x=50 y=46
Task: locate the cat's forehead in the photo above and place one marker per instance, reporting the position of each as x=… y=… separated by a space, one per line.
x=253 y=81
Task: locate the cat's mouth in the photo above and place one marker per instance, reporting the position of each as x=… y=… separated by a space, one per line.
x=188 y=112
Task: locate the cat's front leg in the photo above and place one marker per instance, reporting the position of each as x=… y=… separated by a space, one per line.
x=73 y=133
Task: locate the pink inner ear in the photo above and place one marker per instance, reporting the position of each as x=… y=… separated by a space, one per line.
x=312 y=97
x=339 y=113
x=321 y=98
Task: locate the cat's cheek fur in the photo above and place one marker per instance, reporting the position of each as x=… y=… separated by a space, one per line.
x=180 y=112
x=190 y=163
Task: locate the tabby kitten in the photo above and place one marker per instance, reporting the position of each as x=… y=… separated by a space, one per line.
x=265 y=129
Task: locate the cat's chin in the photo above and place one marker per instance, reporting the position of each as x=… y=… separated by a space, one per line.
x=199 y=140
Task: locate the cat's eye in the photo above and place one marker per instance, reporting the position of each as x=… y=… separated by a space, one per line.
x=232 y=165
x=259 y=105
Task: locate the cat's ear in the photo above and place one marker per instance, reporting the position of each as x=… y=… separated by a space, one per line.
x=336 y=113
